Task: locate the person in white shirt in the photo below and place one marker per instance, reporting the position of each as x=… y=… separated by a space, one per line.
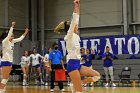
x=34 y=59
x=7 y=51
x=74 y=69
x=25 y=62
x=46 y=64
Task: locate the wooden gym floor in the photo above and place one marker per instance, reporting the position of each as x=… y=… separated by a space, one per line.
x=45 y=89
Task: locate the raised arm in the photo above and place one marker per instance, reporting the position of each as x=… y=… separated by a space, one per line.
x=77 y=6
x=10 y=32
x=75 y=19
x=21 y=37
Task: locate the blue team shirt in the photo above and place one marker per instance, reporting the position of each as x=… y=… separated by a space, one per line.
x=107 y=62
x=55 y=57
x=88 y=60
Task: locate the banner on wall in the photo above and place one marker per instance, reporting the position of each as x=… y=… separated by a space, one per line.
x=118 y=44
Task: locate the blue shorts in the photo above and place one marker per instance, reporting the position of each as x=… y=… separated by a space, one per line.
x=5 y=63
x=37 y=66
x=73 y=64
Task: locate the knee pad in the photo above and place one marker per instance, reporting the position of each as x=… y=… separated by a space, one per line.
x=40 y=74
x=96 y=78
x=4 y=81
x=47 y=75
x=24 y=75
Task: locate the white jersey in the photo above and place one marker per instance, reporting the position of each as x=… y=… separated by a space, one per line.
x=25 y=60
x=35 y=59
x=8 y=47
x=73 y=40
x=46 y=59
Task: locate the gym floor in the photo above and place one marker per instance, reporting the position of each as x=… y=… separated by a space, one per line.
x=14 y=88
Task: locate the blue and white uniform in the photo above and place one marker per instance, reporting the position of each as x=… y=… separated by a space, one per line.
x=88 y=60
x=7 y=49
x=73 y=46
x=25 y=61
x=46 y=60
x=35 y=60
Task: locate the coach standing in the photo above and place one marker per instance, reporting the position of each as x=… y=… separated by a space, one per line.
x=107 y=57
x=55 y=62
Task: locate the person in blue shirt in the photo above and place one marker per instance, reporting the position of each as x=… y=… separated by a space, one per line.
x=88 y=57
x=107 y=58
x=55 y=62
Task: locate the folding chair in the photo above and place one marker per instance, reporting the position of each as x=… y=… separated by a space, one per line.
x=125 y=75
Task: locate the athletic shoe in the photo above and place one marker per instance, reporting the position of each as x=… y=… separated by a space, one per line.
x=2 y=90
x=24 y=84
x=51 y=90
x=107 y=85
x=90 y=85
x=72 y=88
x=42 y=83
x=36 y=81
x=46 y=84
x=63 y=90
x=85 y=85
x=68 y=84
x=27 y=84
x=113 y=85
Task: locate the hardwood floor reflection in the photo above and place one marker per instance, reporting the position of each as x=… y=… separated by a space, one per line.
x=45 y=89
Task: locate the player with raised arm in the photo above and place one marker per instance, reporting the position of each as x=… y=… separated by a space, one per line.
x=74 y=69
x=7 y=58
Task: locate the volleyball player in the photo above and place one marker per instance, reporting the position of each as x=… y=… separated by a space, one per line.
x=46 y=64
x=7 y=58
x=34 y=59
x=74 y=69
x=25 y=62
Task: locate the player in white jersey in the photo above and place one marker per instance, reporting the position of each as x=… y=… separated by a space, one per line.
x=25 y=62
x=46 y=64
x=74 y=69
x=7 y=51
x=34 y=59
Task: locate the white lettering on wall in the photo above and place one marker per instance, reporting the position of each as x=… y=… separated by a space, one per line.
x=120 y=42
x=108 y=44
x=136 y=45
x=94 y=45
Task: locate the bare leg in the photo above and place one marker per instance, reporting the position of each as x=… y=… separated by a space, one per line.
x=24 y=73
x=76 y=80
x=34 y=72
x=47 y=72
x=40 y=74
x=90 y=73
x=5 y=75
x=27 y=71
